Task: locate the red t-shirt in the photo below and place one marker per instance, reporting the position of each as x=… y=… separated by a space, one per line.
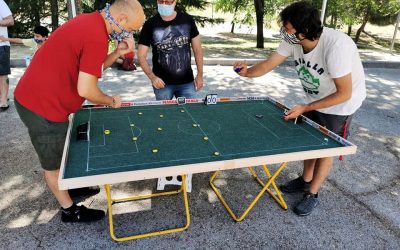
x=49 y=85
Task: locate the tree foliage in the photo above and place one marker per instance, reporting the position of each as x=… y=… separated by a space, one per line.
x=50 y=13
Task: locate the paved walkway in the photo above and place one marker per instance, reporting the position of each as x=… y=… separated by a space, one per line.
x=360 y=200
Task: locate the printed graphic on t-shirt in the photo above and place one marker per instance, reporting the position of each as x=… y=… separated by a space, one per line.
x=310 y=83
x=173 y=48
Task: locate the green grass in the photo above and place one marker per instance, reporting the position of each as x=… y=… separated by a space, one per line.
x=237 y=46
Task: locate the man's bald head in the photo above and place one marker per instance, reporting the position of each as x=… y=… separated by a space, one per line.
x=129 y=10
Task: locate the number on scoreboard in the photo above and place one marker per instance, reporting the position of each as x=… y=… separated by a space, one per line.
x=181 y=100
x=211 y=99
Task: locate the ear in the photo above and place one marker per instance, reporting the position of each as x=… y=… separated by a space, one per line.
x=301 y=36
x=122 y=19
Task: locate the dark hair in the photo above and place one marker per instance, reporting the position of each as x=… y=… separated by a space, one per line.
x=43 y=31
x=304 y=18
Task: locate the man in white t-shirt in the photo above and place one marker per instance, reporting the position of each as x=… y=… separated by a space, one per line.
x=6 y=20
x=332 y=76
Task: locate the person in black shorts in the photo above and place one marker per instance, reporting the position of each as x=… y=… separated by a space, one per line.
x=332 y=76
x=6 y=20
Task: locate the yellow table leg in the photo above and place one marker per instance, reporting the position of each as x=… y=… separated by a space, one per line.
x=278 y=197
x=271 y=181
x=110 y=202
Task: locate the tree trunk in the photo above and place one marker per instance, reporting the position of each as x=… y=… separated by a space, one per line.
x=54 y=14
x=259 y=4
x=364 y=23
x=349 y=30
x=234 y=16
x=335 y=21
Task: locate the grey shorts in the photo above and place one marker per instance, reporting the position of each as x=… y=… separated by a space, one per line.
x=47 y=137
x=338 y=124
x=5 y=60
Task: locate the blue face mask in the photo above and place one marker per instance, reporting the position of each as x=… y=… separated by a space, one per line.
x=119 y=36
x=38 y=41
x=165 y=9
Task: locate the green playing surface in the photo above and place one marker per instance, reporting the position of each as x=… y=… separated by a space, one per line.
x=232 y=128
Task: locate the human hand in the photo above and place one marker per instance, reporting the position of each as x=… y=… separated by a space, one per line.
x=127 y=45
x=3 y=39
x=116 y=101
x=295 y=112
x=240 y=68
x=198 y=82
x=157 y=83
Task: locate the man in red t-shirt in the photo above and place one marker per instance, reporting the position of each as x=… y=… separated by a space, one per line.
x=63 y=73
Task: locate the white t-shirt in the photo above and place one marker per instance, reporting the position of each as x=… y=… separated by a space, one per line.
x=4 y=12
x=335 y=55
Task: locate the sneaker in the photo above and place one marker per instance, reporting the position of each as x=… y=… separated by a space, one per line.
x=307 y=204
x=86 y=191
x=296 y=185
x=81 y=214
x=4 y=107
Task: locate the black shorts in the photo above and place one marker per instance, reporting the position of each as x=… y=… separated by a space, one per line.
x=338 y=124
x=5 y=60
x=47 y=137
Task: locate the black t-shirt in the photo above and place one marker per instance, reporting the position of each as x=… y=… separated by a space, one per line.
x=170 y=42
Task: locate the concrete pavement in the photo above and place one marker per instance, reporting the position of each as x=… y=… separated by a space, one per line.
x=359 y=203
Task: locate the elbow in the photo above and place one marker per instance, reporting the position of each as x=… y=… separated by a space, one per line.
x=346 y=96
x=83 y=92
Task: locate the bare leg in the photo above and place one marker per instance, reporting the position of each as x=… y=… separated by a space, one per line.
x=62 y=196
x=322 y=169
x=308 y=170
x=3 y=90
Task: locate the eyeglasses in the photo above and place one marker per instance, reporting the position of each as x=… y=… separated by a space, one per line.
x=165 y=2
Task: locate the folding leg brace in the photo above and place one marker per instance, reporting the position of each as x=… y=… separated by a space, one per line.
x=111 y=201
x=271 y=181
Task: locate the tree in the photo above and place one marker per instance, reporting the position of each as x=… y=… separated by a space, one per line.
x=54 y=14
x=242 y=11
x=259 y=6
x=380 y=12
x=27 y=15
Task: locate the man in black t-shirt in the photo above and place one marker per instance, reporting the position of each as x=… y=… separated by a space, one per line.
x=171 y=35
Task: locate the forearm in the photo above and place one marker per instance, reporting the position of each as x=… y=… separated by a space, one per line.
x=14 y=40
x=258 y=70
x=328 y=101
x=97 y=97
x=198 y=57
x=7 y=22
x=111 y=58
x=266 y=66
x=146 y=68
